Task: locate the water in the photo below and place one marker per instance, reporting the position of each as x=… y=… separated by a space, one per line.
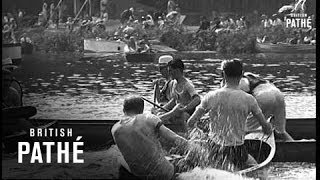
x=68 y=87
x=65 y=86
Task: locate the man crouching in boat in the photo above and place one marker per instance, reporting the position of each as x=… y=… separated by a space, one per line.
x=228 y=108
x=270 y=100
x=138 y=140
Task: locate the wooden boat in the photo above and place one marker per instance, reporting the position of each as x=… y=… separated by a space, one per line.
x=102 y=46
x=96 y=134
x=106 y=46
x=12 y=51
x=26 y=48
x=285 y=48
x=140 y=57
x=262 y=148
x=303 y=148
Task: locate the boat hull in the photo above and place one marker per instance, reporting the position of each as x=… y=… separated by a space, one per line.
x=285 y=48
x=12 y=51
x=96 y=134
x=140 y=57
x=103 y=46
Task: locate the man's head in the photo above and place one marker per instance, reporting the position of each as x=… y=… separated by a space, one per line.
x=133 y=106
x=163 y=64
x=176 y=68
x=232 y=69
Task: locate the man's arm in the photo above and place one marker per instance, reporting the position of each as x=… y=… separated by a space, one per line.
x=195 y=98
x=173 y=137
x=195 y=116
x=176 y=111
x=170 y=104
x=194 y=103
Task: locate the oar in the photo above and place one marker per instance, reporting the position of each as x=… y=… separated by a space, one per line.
x=154 y=95
x=166 y=110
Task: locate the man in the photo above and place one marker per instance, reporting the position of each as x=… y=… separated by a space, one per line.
x=228 y=109
x=11 y=90
x=138 y=140
x=204 y=24
x=164 y=95
x=171 y=6
x=270 y=100
x=127 y=15
x=183 y=89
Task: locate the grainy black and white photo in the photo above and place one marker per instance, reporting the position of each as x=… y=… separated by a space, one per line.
x=159 y=89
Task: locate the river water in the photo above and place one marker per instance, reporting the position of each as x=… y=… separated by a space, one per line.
x=65 y=86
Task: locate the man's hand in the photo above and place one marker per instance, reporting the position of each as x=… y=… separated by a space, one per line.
x=267 y=129
x=178 y=110
x=156 y=82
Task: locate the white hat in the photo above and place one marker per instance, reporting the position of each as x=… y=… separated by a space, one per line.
x=165 y=59
x=7 y=63
x=250 y=74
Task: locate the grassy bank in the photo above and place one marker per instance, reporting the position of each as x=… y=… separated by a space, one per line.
x=224 y=42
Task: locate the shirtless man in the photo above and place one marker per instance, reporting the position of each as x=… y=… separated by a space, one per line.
x=270 y=100
x=137 y=137
x=228 y=108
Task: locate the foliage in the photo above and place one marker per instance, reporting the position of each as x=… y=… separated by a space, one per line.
x=174 y=36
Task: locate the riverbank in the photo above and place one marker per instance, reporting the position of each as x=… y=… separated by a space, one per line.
x=182 y=38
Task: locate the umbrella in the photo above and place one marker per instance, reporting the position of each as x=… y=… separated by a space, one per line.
x=286 y=8
x=128 y=30
x=171 y=14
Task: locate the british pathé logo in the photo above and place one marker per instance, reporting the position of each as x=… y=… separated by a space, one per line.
x=298 y=20
x=61 y=148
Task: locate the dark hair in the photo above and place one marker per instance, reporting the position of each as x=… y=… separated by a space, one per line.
x=176 y=64
x=232 y=68
x=133 y=104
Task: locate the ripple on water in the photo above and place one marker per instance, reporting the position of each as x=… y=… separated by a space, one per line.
x=293 y=171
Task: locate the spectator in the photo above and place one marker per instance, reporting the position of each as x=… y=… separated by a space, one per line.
x=105 y=17
x=148 y=22
x=308 y=38
x=241 y=23
x=277 y=21
x=126 y=15
x=266 y=22
x=171 y=6
x=45 y=12
x=204 y=23
x=224 y=23
x=5 y=19
x=20 y=13
x=232 y=24
x=160 y=22
x=313 y=35
x=69 y=23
